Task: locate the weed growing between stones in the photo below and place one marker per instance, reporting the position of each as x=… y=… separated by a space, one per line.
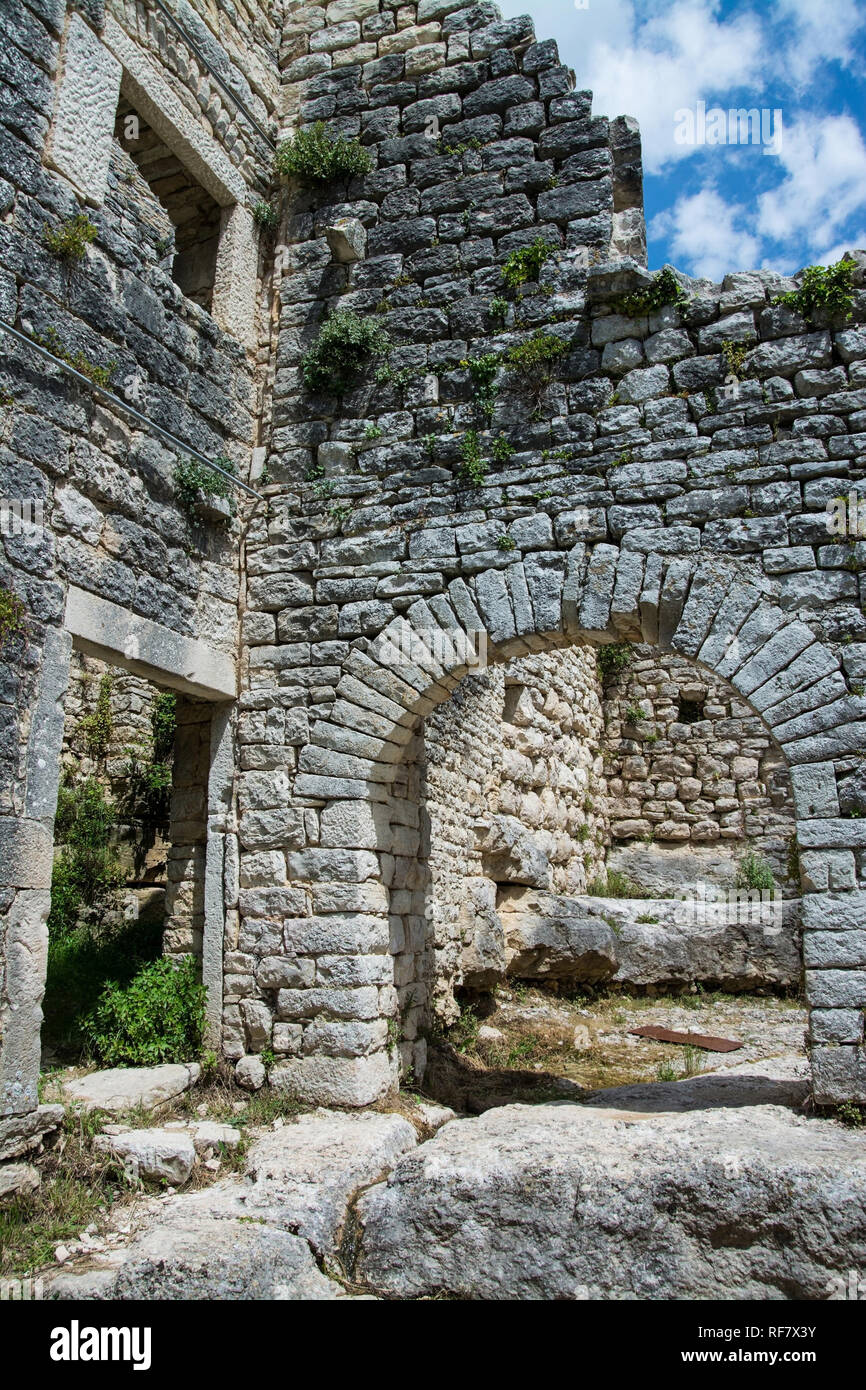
x=148 y=777
x=664 y=289
x=501 y=450
x=825 y=289
x=534 y=359
x=313 y=156
x=345 y=345
x=735 y=357
x=69 y=241
x=192 y=479
x=754 y=872
x=266 y=217
x=12 y=613
x=525 y=264
x=472 y=466
x=483 y=371
x=100 y=376
x=614 y=884
x=612 y=660
x=98 y=726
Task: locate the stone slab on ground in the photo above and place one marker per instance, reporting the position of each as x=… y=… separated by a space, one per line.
x=549 y=936
x=569 y=1201
x=193 y=1256
x=125 y=1088
x=304 y=1176
x=155 y=1154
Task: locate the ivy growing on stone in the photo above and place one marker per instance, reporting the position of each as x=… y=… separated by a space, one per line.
x=345 y=345
x=664 y=289
x=825 y=289
x=69 y=241
x=313 y=156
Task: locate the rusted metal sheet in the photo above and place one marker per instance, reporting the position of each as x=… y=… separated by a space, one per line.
x=709 y=1044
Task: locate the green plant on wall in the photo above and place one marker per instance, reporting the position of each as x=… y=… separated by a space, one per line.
x=755 y=873
x=266 y=216
x=345 y=345
x=314 y=156
x=534 y=359
x=149 y=777
x=612 y=660
x=97 y=727
x=825 y=289
x=192 y=479
x=482 y=371
x=664 y=288
x=472 y=466
x=525 y=264
x=11 y=615
x=69 y=241
x=87 y=873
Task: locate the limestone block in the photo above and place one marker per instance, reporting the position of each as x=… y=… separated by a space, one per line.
x=80 y=140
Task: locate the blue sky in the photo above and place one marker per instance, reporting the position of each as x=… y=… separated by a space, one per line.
x=730 y=206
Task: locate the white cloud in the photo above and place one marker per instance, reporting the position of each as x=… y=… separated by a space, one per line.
x=824 y=159
x=822 y=33
x=707 y=235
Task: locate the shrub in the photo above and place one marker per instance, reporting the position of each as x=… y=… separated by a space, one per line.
x=87 y=873
x=498 y=307
x=755 y=872
x=612 y=659
x=525 y=264
x=472 y=466
x=69 y=242
x=501 y=449
x=313 y=156
x=483 y=371
x=149 y=779
x=506 y=543
x=664 y=289
x=11 y=615
x=192 y=478
x=536 y=356
x=157 y=1017
x=826 y=289
x=613 y=884
x=343 y=348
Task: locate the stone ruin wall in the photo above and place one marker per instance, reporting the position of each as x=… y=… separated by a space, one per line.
x=719 y=780
x=628 y=493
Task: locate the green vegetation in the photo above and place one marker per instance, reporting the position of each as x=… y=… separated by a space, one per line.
x=664 y=289
x=634 y=714
x=313 y=156
x=735 y=357
x=69 y=242
x=157 y=1017
x=12 y=613
x=483 y=371
x=825 y=289
x=849 y=1114
x=525 y=264
x=472 y=466
x=266 y=216
x=148 y=796
x=100 y=376
x=345 y=345
x=535 y=357
x=612 y=660
x=613 y=884
x=501 y=450
x=505 y=543
x=755 y=872
x=498 y=307
x=98 y=726
x=372 y=432
x=192 y=478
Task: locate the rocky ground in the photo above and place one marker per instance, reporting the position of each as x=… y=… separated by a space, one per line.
x=615 y=1183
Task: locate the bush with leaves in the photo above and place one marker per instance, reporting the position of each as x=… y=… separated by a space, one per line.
x=612 y=659
x=157 y=1017
x=314 y=156
x=70 y=241
x=664 y=288
x=525 y=264
x=535 y=357
x=472 y=466
x=826 y=289
x=98 y=726
x=345 y=345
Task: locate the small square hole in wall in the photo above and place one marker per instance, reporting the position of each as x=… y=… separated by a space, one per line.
x=690 y=711
x=193 y=214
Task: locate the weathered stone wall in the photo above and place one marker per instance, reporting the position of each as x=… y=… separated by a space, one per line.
x=146 y=581
x=691 y=763
x=640 y=502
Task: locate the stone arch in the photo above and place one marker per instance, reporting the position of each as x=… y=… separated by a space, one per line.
x=701 y=607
